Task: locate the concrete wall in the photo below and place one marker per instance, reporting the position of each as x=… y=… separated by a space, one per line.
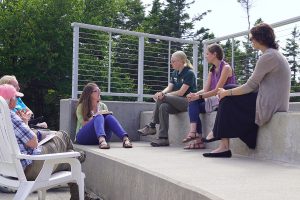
x=278 y=140
x=128 y=114
x=179 y=125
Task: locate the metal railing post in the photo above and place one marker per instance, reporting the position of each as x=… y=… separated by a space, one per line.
x=141 y=69
x=75 y=62
x=169 y=63
x=232 y=53
x=109 y=65
x=195 y=60
x=205 y=65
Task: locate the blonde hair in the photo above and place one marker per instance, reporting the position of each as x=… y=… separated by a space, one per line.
x=6 y=79
x=182 y=56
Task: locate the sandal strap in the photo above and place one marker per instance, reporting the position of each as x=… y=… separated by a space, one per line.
x=127 y=142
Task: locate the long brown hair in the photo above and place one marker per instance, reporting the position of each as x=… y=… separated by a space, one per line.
x=85 y=100
x=216 y=48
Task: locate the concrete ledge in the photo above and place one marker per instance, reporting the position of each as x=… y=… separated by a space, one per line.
x=117 y=178
x=279 y=140
x=179 y=125
x=294 y=107
x=171 y=173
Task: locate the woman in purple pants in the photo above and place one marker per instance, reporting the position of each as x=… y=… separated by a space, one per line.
x=94 y=122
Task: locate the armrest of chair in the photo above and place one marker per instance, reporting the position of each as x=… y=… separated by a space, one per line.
x=49 y=156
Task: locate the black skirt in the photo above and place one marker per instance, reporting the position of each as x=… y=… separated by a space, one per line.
x=236 y=119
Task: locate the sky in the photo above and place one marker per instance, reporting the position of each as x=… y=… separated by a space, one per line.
x=228 y=16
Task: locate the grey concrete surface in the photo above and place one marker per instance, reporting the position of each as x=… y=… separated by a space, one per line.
x=278 y=140
x=171 y=173
x=128 y=114
x=53 y=194
x=179 y=125
x=294 y=107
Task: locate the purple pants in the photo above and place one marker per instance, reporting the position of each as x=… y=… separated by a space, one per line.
x=100 y=126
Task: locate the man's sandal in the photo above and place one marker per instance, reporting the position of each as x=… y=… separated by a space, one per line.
x=190 y=137
x=127 y=143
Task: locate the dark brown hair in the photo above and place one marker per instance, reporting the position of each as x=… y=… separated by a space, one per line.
x=85 y=100
x=215 y=48
x=264 y=34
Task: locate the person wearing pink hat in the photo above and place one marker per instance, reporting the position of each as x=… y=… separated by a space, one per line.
x=28 y=141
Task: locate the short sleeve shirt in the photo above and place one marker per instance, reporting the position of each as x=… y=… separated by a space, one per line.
x=23 y=134
x=101 y=106
x=186 y=76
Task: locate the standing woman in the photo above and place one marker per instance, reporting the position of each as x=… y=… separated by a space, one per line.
x=171 y=100
x=94 y=122
x=253 y=104
x=220 y=74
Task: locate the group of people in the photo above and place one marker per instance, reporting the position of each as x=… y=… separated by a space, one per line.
x=240 y=109
x=28 y=138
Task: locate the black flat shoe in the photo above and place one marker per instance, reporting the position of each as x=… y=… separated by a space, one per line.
x=224 y=154
x=209 y=140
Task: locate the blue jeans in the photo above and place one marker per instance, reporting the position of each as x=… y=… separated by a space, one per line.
x=99 y=126
x=195 y=108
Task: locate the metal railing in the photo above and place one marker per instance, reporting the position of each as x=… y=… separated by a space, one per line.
x=124 y=63
x=136 y=65
x=283 y=30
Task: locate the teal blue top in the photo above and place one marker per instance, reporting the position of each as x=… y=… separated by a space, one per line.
x=20 y=105
x=186 y=76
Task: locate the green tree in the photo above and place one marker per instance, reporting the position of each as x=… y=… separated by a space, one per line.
x=292 y=51
x=170 y=18
x=36 y=43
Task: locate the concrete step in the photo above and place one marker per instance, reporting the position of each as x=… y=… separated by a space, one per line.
x=179 y=125
x=53 y=194
x=278 y=140
x=171 y=173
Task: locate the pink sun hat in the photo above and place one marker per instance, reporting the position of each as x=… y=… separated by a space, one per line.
x=8 y=91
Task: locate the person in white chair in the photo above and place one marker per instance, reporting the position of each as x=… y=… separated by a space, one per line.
x=28 y=142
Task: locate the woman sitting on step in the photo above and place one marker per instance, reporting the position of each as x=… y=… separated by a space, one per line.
x=94 y=122
x=205 y=100
x=172 y=99
x=243 y=109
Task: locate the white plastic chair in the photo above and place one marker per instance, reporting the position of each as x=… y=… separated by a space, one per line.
x=11 y=171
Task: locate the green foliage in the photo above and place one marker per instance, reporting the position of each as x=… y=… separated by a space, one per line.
x=36 y=43
x=292 y=51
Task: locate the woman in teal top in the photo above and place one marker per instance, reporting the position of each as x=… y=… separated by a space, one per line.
x=94 y=122
x=172 y=99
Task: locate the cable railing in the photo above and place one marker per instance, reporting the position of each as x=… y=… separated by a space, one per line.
x=136 y=65
x=242 y=57
x=124 y=63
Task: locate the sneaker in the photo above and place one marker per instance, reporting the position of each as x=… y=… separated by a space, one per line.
x=160 y=142
x=147 y=130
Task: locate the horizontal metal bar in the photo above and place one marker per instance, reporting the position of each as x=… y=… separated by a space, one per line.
x=139 y=34
x=239 y=34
